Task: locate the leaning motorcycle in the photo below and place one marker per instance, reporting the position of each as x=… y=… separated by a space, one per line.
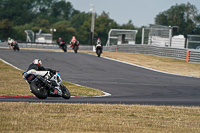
x=15 y=46
x=98 y=49
x=63 y=46
x=75 y=46
x=41 y=85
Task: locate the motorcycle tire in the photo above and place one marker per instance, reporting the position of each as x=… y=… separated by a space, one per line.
x=99 y=52
x=64 y=48
x=38 y=91
x=75 y=49
x=65 y=92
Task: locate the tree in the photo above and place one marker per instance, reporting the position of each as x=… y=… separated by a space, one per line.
x=185 y=16
x=78 y=19
x=129 y=25
x=5 y=28
x=61 y=9
x=103 y=24
x=18 y=11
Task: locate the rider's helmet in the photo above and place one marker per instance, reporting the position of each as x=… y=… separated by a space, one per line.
x=73 y=37
x=9 y=38
x=99 y=39
x=59 y=38
x=37 y=61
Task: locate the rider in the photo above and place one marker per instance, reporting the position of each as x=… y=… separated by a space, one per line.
x=74 y=41
x=98 y=43
x=10 y=42
x=37 y=65
x=60 y=41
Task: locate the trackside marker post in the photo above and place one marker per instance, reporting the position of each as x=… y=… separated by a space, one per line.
x=187 y=56
x=117 y=48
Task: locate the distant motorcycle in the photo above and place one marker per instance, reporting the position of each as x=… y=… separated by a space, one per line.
x=15 y=46
x=41 y=85
x=98 y=49
x=75 y=46
x=62 y=45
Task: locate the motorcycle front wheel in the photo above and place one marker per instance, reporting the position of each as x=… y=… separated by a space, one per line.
x=75 y=49
x=65 y=92
x=38 y=90
x=64 y=49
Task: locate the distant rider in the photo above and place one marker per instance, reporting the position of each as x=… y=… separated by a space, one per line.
x=74 y=41
x=37 y=65
x=60 y=42
x=10 y=42
x=98 y=43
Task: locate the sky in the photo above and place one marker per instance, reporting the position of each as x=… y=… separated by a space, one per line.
x=141 y=12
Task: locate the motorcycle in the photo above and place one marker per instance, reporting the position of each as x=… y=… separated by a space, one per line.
x=63 y=46
x=41 y=85
x=98 y=49
x=15 y=46
x=75 y=46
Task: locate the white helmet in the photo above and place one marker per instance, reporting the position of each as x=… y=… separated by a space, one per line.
x=37 y=61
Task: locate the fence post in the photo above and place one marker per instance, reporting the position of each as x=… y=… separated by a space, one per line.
x=187 y=56
x=117 y=48
x=142 y=35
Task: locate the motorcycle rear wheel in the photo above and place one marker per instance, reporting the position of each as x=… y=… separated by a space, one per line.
x=99 y=52
x=39 y=91
x=65 y=92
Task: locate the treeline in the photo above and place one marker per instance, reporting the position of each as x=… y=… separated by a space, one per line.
x=19 y=15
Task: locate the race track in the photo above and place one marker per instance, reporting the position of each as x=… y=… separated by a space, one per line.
x=126 y=83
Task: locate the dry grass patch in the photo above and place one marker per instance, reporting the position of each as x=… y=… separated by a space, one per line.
x=46 y=117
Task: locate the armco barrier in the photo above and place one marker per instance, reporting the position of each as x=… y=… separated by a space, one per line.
x=154 y=50
x=176 y=53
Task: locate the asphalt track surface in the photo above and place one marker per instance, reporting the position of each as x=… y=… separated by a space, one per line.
x=126 y=83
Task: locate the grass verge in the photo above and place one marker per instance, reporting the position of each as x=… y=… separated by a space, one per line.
x=90 y=118
x=64 y=117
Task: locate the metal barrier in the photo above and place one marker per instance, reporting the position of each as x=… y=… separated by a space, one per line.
x=176 y=53
x=154 y=50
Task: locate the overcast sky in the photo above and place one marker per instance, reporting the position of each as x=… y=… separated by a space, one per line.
x=141 y=12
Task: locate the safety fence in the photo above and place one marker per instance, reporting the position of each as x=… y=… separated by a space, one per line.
x=189 y=55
